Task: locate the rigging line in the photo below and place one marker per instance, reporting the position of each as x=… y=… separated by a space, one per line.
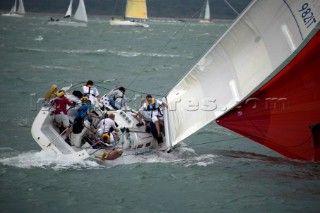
x=114 y=8
x=95 y=82
x=184 y=74
x=264 y=135
x=92 y=131
x=124 y=5
x=202 y=10
x=234 y=10
x=146 y=93
x=99 y=86
x=128 y=89
x=215 y=141
x=160 y=51
x=130 y=98
x=73 y=86
x=199 y=10
x=255 y=126
x=295 y=146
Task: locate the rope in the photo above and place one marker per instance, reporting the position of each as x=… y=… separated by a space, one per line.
x=170 y=39
x=114 y=8
x=60 y=134
x=152 y=151
x=231 y=7
x=214 y=141
x=160 y=51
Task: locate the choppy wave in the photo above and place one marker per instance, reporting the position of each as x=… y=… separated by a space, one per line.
x=125 y=53
x=61 y=51
x=182 y=155
x=2 y=149
x=24 y=49
x=28 y=160
x=215 y=131
x=82 y=51
x=136 y=54
x=102 y=51
x=45 y=160
x=38 y=38
x=52 y=67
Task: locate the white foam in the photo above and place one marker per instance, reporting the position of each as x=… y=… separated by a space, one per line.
x=181 y=155
x=52 y=67
x=32 y=49
x=44 y=159
x=136 y=54
x=39 y=38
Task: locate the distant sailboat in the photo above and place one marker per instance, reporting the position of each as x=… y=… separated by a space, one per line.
x=205 y=13
x=17 y=10
x=80 y=18
x=261 y=80
x=136 y=11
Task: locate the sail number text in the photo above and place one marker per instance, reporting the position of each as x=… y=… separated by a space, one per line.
x=307 y=15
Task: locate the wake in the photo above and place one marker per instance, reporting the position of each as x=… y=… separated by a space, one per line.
x=182 y=155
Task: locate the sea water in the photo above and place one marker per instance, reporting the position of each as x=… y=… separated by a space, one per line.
x=214 y=170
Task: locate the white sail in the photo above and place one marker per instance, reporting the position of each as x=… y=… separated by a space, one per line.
x=207 y=11
x=14 y=7
x=81 y=14
x=21 y=7
x=69 y=11
x=250 y=53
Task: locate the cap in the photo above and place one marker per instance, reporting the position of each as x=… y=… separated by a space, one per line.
x=60 y=94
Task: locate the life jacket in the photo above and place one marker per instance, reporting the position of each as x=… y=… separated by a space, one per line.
x=116 y=97
x=151 y=106
x=90 y=91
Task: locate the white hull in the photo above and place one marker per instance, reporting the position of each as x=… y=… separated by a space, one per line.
x=46 y=134
x=68 y=23
x=127 y=23
x=13 y=15
x=204 y=21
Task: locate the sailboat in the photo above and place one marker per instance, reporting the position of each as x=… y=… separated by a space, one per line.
x=17 y=10
x=261 y=80
x=84 y=144
x=205 y=13
x=80 y=18
x=136 y=11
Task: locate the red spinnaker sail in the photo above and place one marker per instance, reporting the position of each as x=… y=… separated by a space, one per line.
x=284 y=114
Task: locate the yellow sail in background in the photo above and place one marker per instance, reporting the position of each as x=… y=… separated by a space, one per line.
x=136 y=9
